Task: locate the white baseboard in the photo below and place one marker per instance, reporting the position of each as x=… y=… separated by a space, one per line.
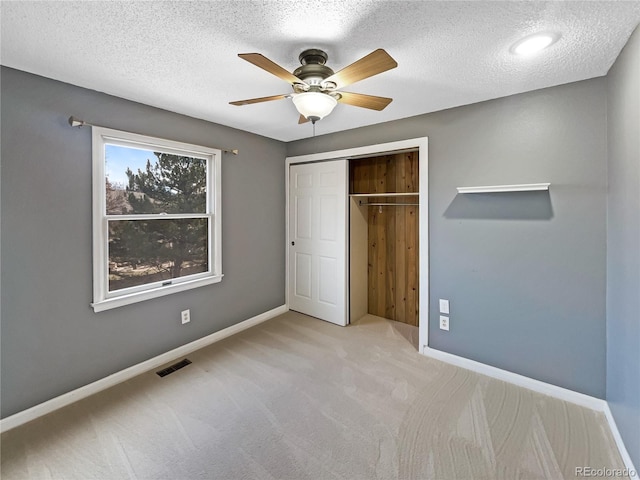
x=536 y=385
x=49 y=406
x=628 y=463
x=541 y=387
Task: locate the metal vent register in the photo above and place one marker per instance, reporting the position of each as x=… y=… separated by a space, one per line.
x=172 y=368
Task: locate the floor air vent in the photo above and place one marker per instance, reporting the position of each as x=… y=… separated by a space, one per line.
x=172 y=368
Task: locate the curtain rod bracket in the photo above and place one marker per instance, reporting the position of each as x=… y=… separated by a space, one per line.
x=74 y=122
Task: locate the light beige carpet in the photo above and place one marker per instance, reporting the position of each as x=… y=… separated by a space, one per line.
x=298 y=398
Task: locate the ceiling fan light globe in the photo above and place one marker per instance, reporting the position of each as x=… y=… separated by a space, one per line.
x=314 y=104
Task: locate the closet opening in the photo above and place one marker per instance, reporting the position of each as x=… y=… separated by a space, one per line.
x=384 y=225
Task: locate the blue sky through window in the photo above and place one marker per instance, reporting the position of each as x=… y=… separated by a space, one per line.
x=118 y=159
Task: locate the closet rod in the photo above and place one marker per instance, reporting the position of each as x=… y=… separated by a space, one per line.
x=362 y=204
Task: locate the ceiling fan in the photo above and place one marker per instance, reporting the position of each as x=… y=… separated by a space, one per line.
x=315 y=85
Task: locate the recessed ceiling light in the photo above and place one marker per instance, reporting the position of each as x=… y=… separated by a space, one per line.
x=534 y=43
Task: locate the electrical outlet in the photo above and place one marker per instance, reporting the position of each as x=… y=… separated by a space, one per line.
x=444 y=323
x=444 y=306
x=185 y=315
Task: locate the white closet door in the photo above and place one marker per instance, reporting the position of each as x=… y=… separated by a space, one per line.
x=318 y=240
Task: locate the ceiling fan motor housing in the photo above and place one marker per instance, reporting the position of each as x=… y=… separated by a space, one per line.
x=313 y=55
x=313 y=69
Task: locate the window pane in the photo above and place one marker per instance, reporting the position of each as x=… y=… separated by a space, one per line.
x=146 y=181
x=147 y=251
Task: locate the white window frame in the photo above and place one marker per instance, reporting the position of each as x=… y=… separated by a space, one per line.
x=102 y=298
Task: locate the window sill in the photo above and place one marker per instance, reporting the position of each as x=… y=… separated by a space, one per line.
x=120 y=301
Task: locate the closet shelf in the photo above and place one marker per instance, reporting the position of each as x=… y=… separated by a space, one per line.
x=385 y=195
x=525 y=187
x=365 y=204
x=404 y=194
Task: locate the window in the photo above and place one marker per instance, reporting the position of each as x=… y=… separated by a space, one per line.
x=156 y=217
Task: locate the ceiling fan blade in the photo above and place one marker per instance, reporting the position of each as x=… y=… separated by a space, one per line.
x=365 y=101
x=263 y=62
x=302 y=120
x=239 y=103
x=376 y=62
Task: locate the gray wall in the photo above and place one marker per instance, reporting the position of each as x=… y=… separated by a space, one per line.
x=524 y=272
x=623 y=245
x=52 y=341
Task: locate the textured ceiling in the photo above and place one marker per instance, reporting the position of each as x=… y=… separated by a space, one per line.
x=181 y=55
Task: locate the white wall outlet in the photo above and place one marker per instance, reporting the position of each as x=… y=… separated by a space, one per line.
x=444 y=323
x=185 y=316
x=444 y=306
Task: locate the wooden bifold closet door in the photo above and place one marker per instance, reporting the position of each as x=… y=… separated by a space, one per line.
x=393 y=267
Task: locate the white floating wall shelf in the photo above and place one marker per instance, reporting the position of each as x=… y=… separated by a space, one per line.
x=525 y=187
